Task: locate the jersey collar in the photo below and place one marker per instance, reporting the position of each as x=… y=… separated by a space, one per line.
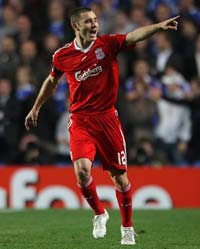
x=84 y=50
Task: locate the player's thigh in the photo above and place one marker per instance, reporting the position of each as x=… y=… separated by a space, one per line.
x=81 y=144
x=111 y=144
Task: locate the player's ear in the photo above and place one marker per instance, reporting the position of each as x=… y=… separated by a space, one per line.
x=75 y=26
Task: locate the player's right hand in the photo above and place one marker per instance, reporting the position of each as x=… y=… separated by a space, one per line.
x=31 y=119
x=171 y=23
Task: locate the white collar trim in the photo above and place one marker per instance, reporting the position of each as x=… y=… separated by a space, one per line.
x=84 y=50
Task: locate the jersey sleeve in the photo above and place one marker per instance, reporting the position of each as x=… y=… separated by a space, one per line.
x=128 y=47
x=55 y=69
x=117 y=43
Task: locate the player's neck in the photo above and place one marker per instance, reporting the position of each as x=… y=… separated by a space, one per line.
x=81 y=43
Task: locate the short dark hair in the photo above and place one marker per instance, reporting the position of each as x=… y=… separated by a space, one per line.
x=75 y=14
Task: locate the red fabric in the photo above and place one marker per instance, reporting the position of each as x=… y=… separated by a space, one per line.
x=90 y=194
x=125 y=204
x=101 y=132
x=92 y=74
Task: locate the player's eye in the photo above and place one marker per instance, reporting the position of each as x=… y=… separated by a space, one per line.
x=88 y=21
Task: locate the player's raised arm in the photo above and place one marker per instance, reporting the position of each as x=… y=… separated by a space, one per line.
x=47 y=89
x=147 y=31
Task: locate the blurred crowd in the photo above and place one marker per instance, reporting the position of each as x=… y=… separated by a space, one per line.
x=159 y=95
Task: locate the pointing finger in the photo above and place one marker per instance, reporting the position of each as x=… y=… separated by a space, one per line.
x=27 y=124
x=175 y=18
x=34 y=121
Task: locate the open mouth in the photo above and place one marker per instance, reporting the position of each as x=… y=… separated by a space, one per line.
x=93 y=32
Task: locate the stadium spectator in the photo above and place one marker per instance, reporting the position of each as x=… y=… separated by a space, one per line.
x=24 y=83
x=28 y=152
x=142 y=51
x=58 y=23
x=113 y=3
x=192 y=61
x=138 y=17
x=9 y=27
x=60 y=96
x=173 y=4
x=47 y=125
x=188 y=8
x=87 y=3
x=18 y=5
x=107 y=17
x=29 y=57
x=193 y=102
x=9 y=122
x=146 y=153
x=140 y=72
x=50 y=44
x=162 y=12
x=124 y=5
x=165 y=54
x=141 y=109
x=9 y=59
x=1 y=11
x=122 y=23
x=56 y=14
x=94 y=123
x=139 y=3
x=62 y=139
x=32 y=151
x=172 y=137
x=25 y=31
x=188 y=36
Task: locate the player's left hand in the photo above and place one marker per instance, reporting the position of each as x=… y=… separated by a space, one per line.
x=31 y=119
x=171 y=23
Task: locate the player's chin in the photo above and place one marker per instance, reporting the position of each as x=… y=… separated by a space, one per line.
x=93 y=37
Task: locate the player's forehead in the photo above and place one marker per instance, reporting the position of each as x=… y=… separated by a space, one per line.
x=87 y=15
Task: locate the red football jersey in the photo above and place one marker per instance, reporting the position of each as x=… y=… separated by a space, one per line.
x=92 y=73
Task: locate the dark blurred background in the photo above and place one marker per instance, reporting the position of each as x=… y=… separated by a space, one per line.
x=159 y=95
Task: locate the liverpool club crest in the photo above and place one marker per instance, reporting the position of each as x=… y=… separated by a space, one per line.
x=99 y=53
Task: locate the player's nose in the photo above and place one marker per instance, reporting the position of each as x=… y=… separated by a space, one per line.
x=94 y=24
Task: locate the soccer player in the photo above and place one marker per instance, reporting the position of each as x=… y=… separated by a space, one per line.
x=90 y=65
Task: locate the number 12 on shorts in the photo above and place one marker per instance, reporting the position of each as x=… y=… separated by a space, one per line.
x=121 y=158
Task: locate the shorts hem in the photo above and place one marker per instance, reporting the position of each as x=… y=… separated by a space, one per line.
x=106 y=168
x=82 y=158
